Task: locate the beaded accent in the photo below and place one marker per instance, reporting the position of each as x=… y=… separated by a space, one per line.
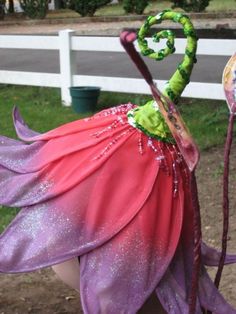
x=160 y=156
x=160 y=147
x=140 y=143
x=110 y=145
x=113 y=126
x=177 y=162
x=119 y=110
x=122 y=109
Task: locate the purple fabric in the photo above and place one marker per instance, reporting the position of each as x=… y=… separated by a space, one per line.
x=117 y=278
x=22 y=130
x=211 y=257
x=173 y=288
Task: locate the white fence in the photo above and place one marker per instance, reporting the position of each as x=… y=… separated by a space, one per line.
x=66 y=43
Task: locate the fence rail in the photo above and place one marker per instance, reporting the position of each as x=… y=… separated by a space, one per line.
x=66 y=42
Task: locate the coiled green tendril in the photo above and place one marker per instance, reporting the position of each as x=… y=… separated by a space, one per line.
x=181 y=77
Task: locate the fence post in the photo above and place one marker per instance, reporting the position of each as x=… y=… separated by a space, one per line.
x=66 y=64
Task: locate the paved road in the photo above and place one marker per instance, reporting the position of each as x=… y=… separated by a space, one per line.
x=208 y=68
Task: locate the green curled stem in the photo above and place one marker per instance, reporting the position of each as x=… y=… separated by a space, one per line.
x=181 y=77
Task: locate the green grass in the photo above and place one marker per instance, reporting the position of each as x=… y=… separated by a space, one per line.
x=42 y=111
x=215 y=5
x=157 y=6
x=206 y=120
x=219 y=5
x=40 y=107
x=6 y=216
x=152 y=8
x=117 y=9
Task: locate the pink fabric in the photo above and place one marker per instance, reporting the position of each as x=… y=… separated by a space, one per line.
x=102 y=190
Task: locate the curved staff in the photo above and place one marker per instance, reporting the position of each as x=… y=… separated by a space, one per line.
x=172 y=117
x=229 y=83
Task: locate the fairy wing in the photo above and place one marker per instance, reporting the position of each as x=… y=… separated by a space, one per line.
x=229 y=83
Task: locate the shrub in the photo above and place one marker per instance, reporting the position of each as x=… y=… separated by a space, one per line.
x=87 y=7
x=191 y=5
x=135 y=6
x=35 y=9
x=2 y=9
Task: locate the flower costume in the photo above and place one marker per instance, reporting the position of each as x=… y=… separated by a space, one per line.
x=113 y=190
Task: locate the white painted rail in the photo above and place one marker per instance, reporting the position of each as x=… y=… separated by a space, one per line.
x=66 y=42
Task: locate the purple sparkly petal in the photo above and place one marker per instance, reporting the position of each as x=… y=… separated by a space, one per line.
x=22 y=130
x=25 y=189
x=210 y=297
x=18 y=186
x=16 y=155
x=76 y=221
x=116 y=278
x=211 y=257
x=172 y=296
x=47 y=233
x=120 y=275
x=6 y=141
x=173 y=289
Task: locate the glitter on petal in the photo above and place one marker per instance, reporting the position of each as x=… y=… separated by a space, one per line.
x=103 y=190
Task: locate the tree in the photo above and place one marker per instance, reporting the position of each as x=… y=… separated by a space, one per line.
x=87 y=7
x=191 y=5
x=135 y=6
x=35 y=9
x=11 y=6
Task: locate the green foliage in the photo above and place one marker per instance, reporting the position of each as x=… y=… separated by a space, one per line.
x=87 y=7
x=135 y=6
x=2 y=9
x=11 y=6
x=35 y=9
x=191 y=5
